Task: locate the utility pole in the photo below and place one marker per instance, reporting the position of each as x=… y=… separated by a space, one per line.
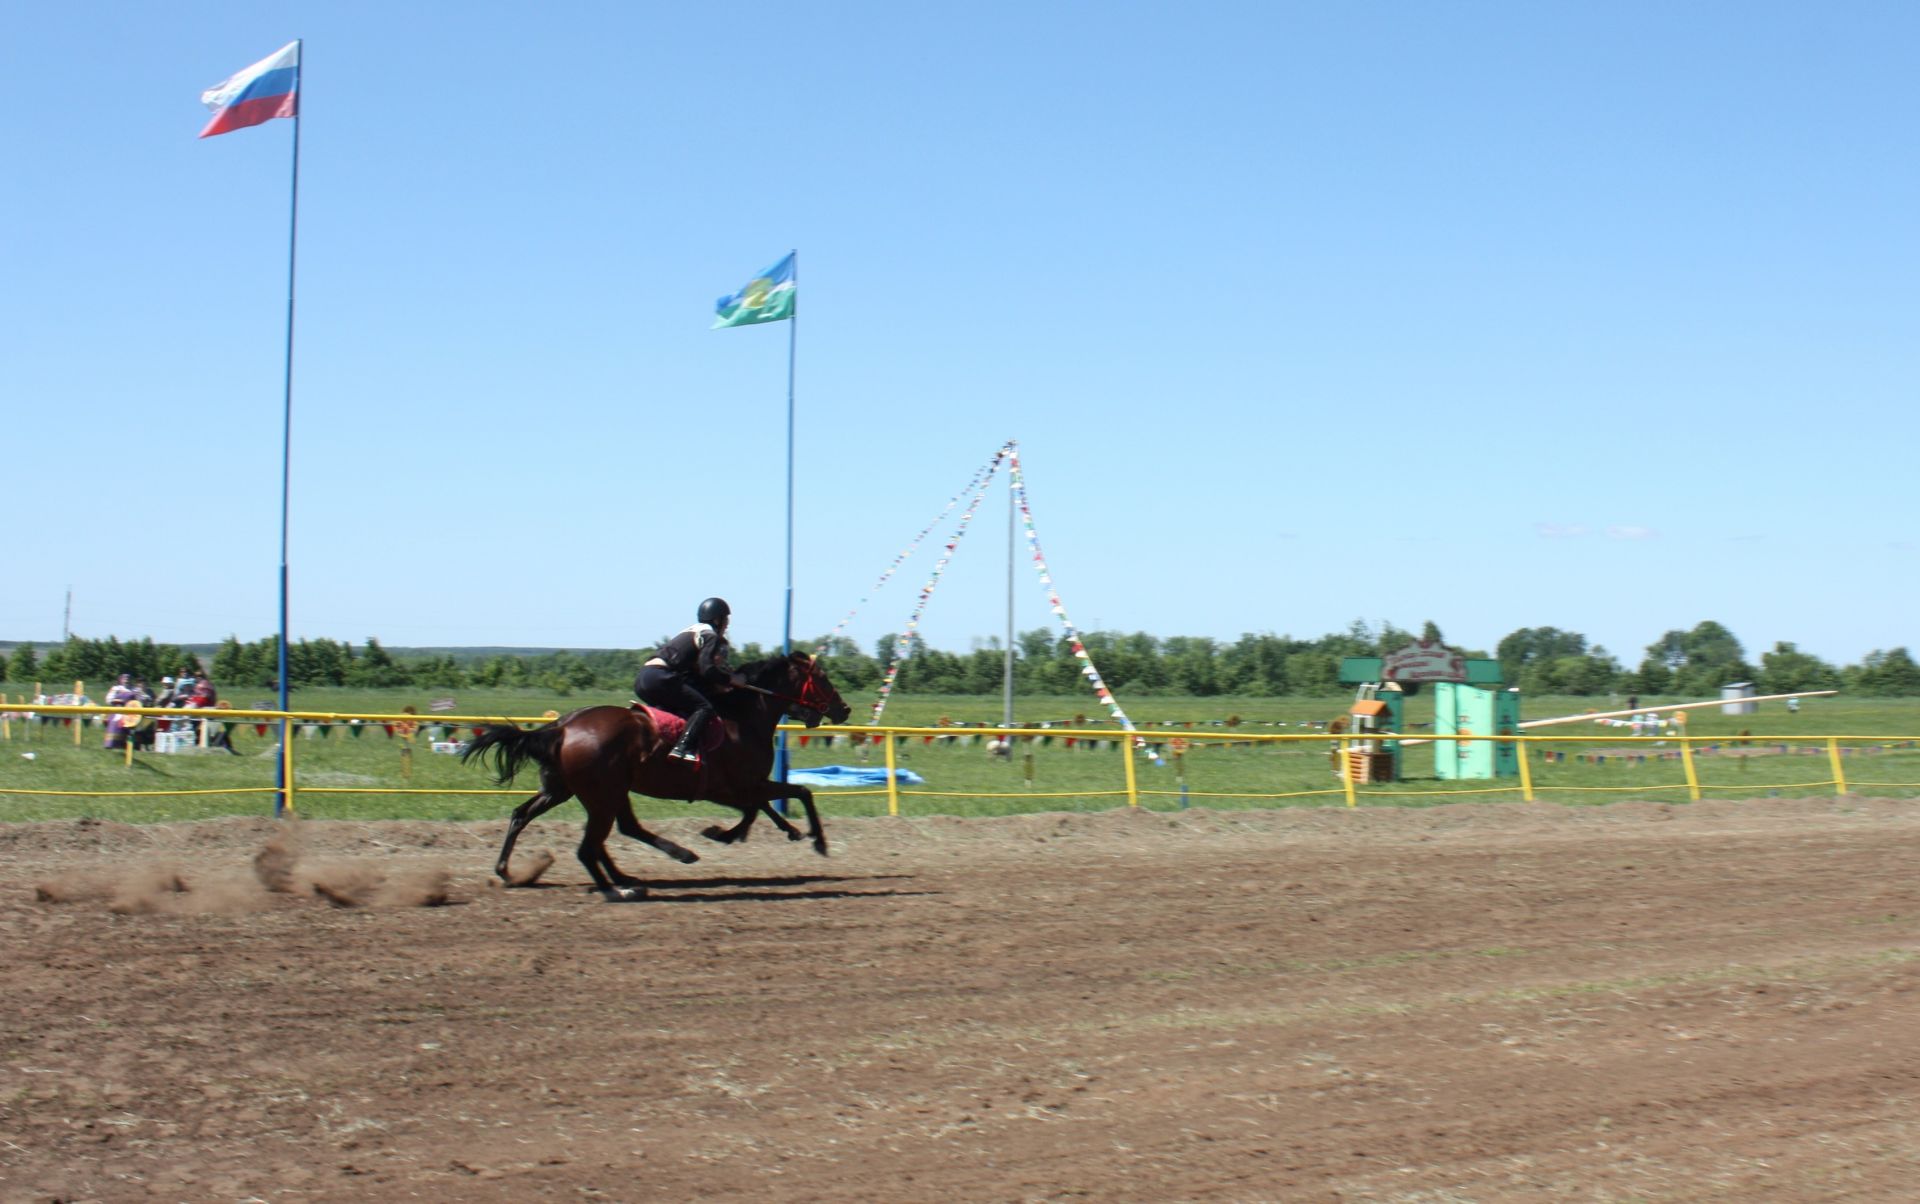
x=66 y=624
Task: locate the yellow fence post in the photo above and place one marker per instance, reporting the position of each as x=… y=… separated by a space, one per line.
x=1839 y=774
x=893 y=783
x=1133 y=789
x=1686 y=758
x=1346 y=769
x=79 y=721
x=1526 y=775
x=286 y=762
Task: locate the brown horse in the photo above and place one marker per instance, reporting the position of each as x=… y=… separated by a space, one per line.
x=600 y=754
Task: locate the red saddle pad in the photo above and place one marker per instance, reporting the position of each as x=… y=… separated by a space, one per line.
x=671 y=727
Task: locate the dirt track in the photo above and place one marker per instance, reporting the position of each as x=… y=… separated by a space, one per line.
x=1468 y=1003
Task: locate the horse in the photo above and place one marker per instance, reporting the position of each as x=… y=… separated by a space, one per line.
x=600 y=754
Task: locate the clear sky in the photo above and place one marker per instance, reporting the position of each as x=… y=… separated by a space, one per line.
x=1597 y=316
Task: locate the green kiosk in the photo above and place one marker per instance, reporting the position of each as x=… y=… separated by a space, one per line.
x=1468 y=699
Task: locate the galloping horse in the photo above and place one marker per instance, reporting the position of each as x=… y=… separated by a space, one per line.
x=599 y=754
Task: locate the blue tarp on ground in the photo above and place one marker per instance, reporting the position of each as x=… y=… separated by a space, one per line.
x=851 y=776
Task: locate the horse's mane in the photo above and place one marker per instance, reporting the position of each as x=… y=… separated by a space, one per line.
x=768 y=674
x=764 y=673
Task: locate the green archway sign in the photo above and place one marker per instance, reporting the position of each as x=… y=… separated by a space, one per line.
x=1420 y=662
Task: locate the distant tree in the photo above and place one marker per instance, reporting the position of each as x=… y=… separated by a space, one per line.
x=1890 y=674
x=1035 y=646
x=3 y=669
x=849 y=668
x=1391 y=638
x=984 y=669
x=1787 y=669
x=375 y=668
x=1194 y=666
x=1430 y=633
x=1701 y=660
x=1532 y=644
x=441 y=672
x=1594 y=673
x=1313 y=673
x=25 y=665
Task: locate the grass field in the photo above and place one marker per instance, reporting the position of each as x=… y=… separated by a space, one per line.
x=1770 y=753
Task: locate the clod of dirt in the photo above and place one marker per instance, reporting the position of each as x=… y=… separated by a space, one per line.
x=274 y=863
x=542 y=862
x=425 y=887
x=335 y=897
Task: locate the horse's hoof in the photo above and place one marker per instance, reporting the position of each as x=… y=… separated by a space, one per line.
x=820 y=847
x=795 y=836
x=686 y=856
x=717 y=834
x=626 y=894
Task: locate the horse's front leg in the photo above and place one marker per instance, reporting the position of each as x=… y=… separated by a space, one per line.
x=631 y=828
x=779 y=821
x=738 y=832
x=776 y=790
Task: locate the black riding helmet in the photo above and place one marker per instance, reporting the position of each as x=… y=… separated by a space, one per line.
x=714 y=612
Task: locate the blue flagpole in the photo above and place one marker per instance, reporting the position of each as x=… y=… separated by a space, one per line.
x=281 y=800
x=786 y=629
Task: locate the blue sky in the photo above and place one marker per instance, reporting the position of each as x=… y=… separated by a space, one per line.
x=1601 y=317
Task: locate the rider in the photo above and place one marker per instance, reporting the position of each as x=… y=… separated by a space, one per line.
x=684 y=673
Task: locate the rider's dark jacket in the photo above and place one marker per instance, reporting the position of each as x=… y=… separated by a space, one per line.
x=698 y=652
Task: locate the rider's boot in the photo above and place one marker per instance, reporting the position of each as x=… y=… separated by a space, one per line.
x=688 y=746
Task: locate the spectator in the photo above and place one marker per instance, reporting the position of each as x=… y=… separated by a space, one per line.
x=205 y=696
x=143 y=726
x=121 y=693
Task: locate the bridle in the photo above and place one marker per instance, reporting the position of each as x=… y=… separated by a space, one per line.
x=809 y=690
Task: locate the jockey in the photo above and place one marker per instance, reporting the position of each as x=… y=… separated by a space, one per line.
x=684 y=673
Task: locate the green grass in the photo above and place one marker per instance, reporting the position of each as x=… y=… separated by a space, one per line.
x=961 y=778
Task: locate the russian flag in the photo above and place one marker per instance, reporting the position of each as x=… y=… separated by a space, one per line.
x=268 y=89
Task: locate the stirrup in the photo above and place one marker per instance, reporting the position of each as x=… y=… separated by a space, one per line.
x=682 y=753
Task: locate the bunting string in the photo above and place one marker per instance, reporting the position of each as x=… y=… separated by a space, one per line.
x=979 y=480
x=905 y=641
x=1088 y=669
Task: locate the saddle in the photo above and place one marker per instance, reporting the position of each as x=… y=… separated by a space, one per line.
x=668 y=727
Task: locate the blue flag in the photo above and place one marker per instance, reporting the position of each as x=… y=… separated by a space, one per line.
x=768 y=297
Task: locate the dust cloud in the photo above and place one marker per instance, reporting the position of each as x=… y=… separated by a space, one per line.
x=276 y=876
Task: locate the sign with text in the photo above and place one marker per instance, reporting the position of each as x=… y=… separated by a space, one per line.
x=1424 y=661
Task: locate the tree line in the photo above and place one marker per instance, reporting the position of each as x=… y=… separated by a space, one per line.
x=1540 y=660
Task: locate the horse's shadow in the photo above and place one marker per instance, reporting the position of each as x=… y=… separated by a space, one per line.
x=776 y=888
x=777 y=880
x=784 y=896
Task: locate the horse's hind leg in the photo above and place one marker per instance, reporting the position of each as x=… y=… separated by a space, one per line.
x=593 y=851
x=523 y=815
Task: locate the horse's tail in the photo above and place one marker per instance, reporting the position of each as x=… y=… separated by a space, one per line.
x=513 y=747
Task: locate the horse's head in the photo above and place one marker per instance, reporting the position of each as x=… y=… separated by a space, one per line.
x=814 y=696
